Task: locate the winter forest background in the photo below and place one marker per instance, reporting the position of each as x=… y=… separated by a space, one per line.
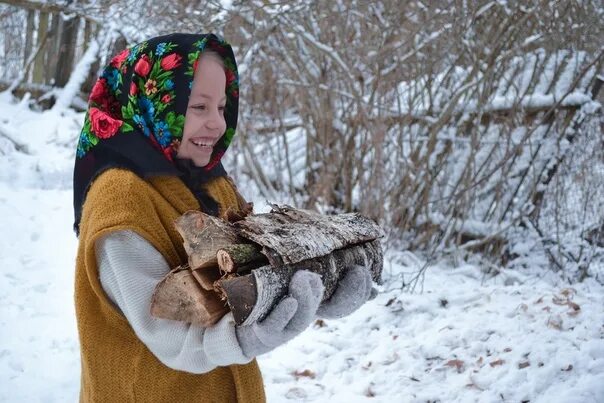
x=472 y=131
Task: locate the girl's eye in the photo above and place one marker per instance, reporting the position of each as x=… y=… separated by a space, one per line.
x=222 y=108
x=199 y=107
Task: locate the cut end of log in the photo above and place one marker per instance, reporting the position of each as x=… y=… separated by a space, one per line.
x=225 y=262
x=179 y=297
x=241 y=293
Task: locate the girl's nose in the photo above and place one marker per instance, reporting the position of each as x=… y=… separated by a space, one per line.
x=214 y=120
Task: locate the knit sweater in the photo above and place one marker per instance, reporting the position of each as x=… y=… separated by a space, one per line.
x=116 y=365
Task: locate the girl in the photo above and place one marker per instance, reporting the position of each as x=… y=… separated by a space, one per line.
x=159 y=120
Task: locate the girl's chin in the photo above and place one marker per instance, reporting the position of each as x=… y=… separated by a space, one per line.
x=201 y=160
x=198 y=158
x=200 y=164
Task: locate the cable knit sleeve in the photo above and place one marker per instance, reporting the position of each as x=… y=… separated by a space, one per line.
x=129 y=269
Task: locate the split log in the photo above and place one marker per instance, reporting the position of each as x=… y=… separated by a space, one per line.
x=203 y=236
x=252 y=297
x=235 y=258
x=180 y=297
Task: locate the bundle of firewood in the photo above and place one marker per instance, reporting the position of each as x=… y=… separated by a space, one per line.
x=244 y=262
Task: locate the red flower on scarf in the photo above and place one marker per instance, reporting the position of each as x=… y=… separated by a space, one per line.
x=133 y=89
x=230 y=76
x=171 y=61
x=103 y=125
x=143 y=66
x=99 y=91
x=195 y=64
x=166 y=98
x=169 y=152
x=119 y=59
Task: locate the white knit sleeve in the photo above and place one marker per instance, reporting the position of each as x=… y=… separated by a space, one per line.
x=129 y=269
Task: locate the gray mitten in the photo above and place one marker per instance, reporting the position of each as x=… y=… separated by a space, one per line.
x=290 y=317
x=353 y=290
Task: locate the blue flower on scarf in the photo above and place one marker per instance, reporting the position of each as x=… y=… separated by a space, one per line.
x=160 y=49
x=147 y=108
x=201 y=44
x=133 y=54
x=140 y=122
x=113 y=77
x=162 y=133
x=169 y=84
x=83 y=146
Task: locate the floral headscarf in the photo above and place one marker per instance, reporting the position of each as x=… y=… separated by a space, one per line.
x=136 y=113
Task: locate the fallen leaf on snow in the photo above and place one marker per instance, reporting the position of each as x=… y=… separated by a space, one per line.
x=497 y=362
x=575 y=308
x=568 y=368
x=455 y=363
x=523 y=364
x=507 y=350
x=307 y=373
x=479 y=361
x=320 y=323
x=568 y=292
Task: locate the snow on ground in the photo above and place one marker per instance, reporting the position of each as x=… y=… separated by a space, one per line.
x=461 y=340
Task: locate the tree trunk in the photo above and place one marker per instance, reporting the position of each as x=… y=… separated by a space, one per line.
x=29 y=36
x=40 y=63
x=66 y=54
x=52 y=47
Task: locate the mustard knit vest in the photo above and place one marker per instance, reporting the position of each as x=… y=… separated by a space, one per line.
x=116 y=366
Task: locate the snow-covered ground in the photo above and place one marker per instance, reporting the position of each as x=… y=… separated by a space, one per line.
x=511 y=339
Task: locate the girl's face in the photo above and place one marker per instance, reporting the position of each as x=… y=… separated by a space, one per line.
x=204 y=119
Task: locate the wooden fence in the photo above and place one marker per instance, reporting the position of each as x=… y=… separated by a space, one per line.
x=45 y=51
